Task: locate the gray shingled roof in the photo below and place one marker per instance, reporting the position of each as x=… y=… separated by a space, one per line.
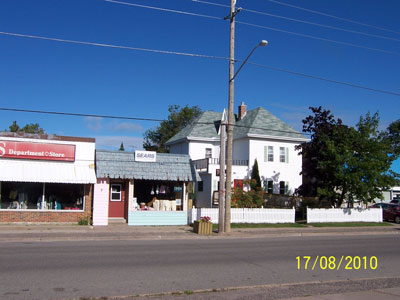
x=261 y=122
x=168 y=167
x=256 y=122
x=204 y=126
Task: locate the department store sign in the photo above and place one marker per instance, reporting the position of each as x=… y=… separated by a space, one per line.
x=38 y=151
x=145 y=156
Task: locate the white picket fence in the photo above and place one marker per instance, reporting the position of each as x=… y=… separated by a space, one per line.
x=332 y=215
x=246 y=215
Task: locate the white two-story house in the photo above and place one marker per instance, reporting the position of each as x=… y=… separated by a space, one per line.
x=257 y=134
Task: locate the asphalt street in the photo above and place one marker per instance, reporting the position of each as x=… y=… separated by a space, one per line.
x=73 y=269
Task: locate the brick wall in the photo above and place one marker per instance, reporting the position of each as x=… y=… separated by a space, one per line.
x=53 y=216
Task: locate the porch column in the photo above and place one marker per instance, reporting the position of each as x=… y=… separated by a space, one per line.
x=131 y=207
x=184 y=198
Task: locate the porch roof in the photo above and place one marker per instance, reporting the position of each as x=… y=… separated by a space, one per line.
x=122 y=164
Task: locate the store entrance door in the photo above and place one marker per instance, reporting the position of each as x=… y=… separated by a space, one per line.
x=116 y=205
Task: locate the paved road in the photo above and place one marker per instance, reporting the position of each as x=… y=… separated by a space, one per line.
x=60 y=270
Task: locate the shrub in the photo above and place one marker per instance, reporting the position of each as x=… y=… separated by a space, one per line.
x=247 y=199
x=83 y=221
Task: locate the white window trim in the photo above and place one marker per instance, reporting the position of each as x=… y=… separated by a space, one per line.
x=120 y=192
x=285 y=155
x=267 y=153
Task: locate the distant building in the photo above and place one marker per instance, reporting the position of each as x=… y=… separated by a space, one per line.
x=257 y=135
x=46 y=178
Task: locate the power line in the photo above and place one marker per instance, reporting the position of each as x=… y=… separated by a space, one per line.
x=260 y=26
x=78 y=114
x=165 y=9
x=200 y=56
x=325 y=79
x=131 y=118
x=110 y=45
x=302 y=21
x=334 y=17
x=318 y=38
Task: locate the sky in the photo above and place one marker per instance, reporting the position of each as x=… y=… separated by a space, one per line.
x=48 y=75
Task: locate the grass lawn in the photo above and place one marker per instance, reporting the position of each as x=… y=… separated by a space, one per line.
x=349 y=224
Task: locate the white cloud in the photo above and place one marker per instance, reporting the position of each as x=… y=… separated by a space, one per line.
x=124 y=126
x=94 y=123
x=131 y=143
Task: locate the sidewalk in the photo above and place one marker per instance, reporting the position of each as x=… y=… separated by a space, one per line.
x=57 y=232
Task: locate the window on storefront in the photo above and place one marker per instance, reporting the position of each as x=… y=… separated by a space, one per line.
x=41 y=196
x=115 y=192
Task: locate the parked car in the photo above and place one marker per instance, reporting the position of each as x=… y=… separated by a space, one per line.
x=391 y=212
x=395 y=201
x=377 y=205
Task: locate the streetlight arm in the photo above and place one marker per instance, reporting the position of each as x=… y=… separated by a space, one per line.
x=263 y=43
x=244 y=62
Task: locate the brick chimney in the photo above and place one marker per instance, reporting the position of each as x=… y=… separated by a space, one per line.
x=242 y=110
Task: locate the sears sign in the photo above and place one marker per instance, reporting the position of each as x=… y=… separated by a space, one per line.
x=26 y=150
x=145 y=156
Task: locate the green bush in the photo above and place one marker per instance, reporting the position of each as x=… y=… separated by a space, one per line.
x=247 y=199
x=83 y=221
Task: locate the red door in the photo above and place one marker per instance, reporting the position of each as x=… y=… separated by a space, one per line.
x=116 y=205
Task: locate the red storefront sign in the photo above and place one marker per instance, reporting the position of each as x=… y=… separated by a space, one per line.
x=26 y=150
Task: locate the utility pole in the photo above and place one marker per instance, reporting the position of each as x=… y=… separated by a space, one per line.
x=221 y=201
x=230 y=118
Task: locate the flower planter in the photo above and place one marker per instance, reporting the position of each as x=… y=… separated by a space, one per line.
x=204 y=228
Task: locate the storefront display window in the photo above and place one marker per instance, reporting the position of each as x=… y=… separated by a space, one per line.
x=159 y=195
x=41 y=196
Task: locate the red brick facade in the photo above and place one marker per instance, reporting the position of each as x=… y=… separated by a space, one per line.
x=50 y=216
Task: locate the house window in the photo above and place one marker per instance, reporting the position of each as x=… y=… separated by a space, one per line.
x=270 y=186
x=200 y=186
x=208 y=152
x=268 y=153
x=283 y=187
x=115 y=192
x=284 y=154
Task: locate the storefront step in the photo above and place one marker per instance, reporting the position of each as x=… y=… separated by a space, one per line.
x=116 y=221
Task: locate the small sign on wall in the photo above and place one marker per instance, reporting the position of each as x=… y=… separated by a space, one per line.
x=145 y=156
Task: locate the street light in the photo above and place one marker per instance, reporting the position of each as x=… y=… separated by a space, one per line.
x=228 y=194
x=263 y=43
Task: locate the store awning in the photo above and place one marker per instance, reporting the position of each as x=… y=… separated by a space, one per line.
x=40 y=171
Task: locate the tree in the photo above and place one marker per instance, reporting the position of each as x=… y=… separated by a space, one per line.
x=178 y=118
x=393 y=136
x=28 y=128
x=345 y=163
x=255 y=177
x=320 y=126
x=121 y=148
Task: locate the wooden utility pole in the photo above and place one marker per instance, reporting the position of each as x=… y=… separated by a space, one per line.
x=221 y=200
x=230 y=119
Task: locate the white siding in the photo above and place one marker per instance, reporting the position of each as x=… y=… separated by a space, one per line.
x=197 y=150
x=277 y=171
x=100 y=202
